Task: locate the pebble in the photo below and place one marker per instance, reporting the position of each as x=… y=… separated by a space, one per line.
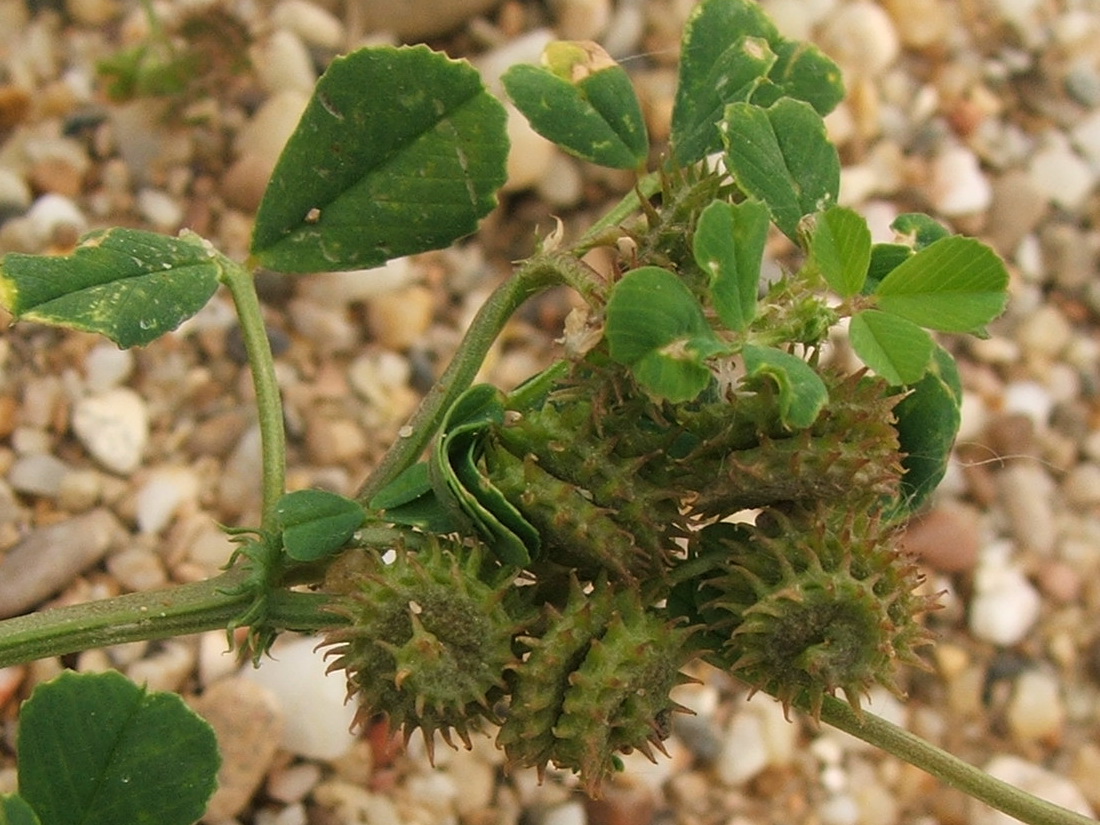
x=1005 y=605
x=947 y=538
x=160 y=210
x=330 y=330
x=1036 y=711
x=922 y=24
x=861 y=37
x=563 y=184
x=137 y=569
x=529 y=154
x=167 y=669
x=568 y=813
x=107 y=366
x=315 y=25
x=317 y=717
x=1029 y=403
x=51 y=216
x=80 y=490
x=622 y=802
x=263 y=137
x=1061 y=175
x=113 y=426
x=161 y=494
x=1027 y=496
x=248 y=723
x=283 y=62
x=1081 y=486
x=38 y=474
x=1086 y=139
x=294 y=782
x=414 y=20
x=50 y=557
x=1033 y=779
x=581 y=19
x=1016 y=208
x=839 y=809
x=334 y=440
x=350 y=803
x=399 y=319
x=337 y=290
x=238 y=489
x=958 y=186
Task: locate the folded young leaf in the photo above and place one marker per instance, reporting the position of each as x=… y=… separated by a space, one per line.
x=656 y=327
x=97 y=749
x=584 y=102
x=782 y=156
x=802 y=393
x=729 y=245
x=129 y=285
x=840 y=247
x=955 y=284
x=399 y=151
x=895 y=348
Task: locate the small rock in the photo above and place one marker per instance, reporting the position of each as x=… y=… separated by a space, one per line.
x=137 y=569
x=315 y=25
x=113 y=426
x=477 y=779
x=335 y=440
x=1036 y=712
x=346 y=802
x=1062 y=175
x=161 y=494
x=107 y=366
x=51 y=557
x=237 y=487
x=622 y=802
x=568 y=813
x=1082 y=485
x=948 y=537
x=283 y=62
x=861 y=37
x=1027 y=495
x=398 y=320
x=1086 y=139
x=563 y=184
x=53 y=216
x=958 y=185
x=1005 y=604
x=1033 y=779
x=581 y=19
x=1016 y=209
x=529 y=154
x=1060 y=581
x=317 y=717
x=167 y=669
x=414 y=20
x=293 y=783
x=92 y=12
x=338 y=289
x=1028 y=402
x=80 y=490
x=329 y=329
x=58 y=165
x=248 y=723
x=745 y=753
x=839 y=809
x=38 y=474
x=922 y=24
x=160 y=210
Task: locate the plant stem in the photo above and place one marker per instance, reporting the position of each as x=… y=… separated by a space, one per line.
x=947 y=768
x=158 y=614
x=646 y=187
x=268 y=402
x=539 y=273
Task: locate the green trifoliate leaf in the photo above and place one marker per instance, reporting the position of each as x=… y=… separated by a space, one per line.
x=840 y=247
x=954 y=285
x=95 y=748
x=927 y=420
x=782 y=156
x=656 y=327
x=14 y=810
x=885 y=258
x=895 y=348
x=803 y=72
x=399 y=151
x=129 y=285
x=728 y=245
x=317 y=523
x=802 y=393
x=584 y=102
x=918 y=230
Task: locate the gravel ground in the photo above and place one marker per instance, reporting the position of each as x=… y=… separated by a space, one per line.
x=985 y=113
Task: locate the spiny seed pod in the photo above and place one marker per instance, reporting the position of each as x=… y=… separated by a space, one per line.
x=428 y=643
x=817 y=601
x=596 y=684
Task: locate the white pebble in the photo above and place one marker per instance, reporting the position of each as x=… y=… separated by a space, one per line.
x=1061 y=174
x=52 y=212
x=1005 y=604
x=1082 y=484
x=264 y=136
x=1036 y=712
x=329 y=329
x=167 y=668
x=529 y=155
x=315 y=25
x=283 y=62
x=113 y=426
x=958 y=185
x=137 y=569
x=107 y=366
x=841 y=809
x=563 y=185
x=1028 y=398
x=15 y=194
x=338 y=289
x=527 y=48
x=317 y=718
x=861 y=37
x=1086 y=139
x=581 y=19
x=38 y=474
x=163 y=212
x=1027 y=494
x=744 y=750
x=568 y=813
x=1032 y=779
x=162 y=494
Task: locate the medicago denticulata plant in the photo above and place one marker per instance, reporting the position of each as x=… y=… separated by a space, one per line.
x=547 y=560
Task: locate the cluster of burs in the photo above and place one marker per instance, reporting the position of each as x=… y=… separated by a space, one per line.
x=609 y=540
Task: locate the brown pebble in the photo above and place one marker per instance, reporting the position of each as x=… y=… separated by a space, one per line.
x=1059 y=581
x=947 y=538
x=622 y=803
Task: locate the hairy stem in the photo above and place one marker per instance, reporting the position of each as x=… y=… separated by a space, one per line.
x=159 y=614
x=268 y=402
x=536 y=275
x=947 y=768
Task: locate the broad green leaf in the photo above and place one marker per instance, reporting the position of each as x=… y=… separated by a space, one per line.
x=954 y=285
x=885 y=258
x=410 y=500
x=803 y=72
x=782 y=156
x=918 y=230
x=840 y=246
x=129 y=285
x=584 y=102
x=729 y=244
x=802 y=393
x=733 y=76
x=656 y=327
x=95 y=748
x=927 y=420
x=399 y=151
x=317 y=523
x=14 y=810
x=895 y=348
